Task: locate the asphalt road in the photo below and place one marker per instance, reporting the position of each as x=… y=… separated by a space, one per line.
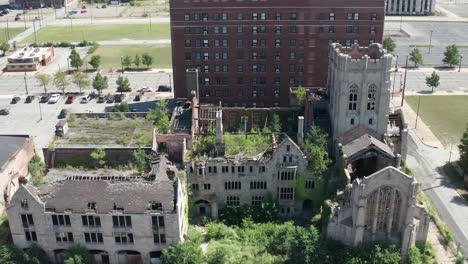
x=427 y=164
x=15 y=84
x=450 y=81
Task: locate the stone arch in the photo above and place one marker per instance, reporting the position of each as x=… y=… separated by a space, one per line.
x=383 y=210
x=307 y=205
x=155 y=257
x=59 y=255
x=204 y=207
x=100 y=256
x=128 y=257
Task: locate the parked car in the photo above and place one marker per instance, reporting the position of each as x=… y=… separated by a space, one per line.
x=137 y=98
x=54 y=98
x=85 y=99
x=164 y=88
x=63 y=114
x=101 y=99
x=110 y=99
x=29 y=99
x=103 y=6
x=83 y=7
x=145 y=89
x=45 y=98
x=17 y=18
x=70 y=98
x=4 y=112
x=119 y=98
x=73 y=12
x=83 y=11
x=15 y=99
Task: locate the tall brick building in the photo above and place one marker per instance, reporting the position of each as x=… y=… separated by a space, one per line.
x=249 y=53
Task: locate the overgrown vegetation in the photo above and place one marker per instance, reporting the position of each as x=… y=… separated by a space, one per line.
x=267 y=211
x=267 y=243
x=99 y=157
x=140 y=160
x=159 y=117
x=300 y=93
x=36 y=167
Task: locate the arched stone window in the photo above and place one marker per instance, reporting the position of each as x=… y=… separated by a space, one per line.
x=371 y=95
x=353 y=95
x=383 y=209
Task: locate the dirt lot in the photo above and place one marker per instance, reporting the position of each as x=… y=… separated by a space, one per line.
x=141 y=9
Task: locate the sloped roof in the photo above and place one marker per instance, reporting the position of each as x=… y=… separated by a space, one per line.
x=365 y=142
x=10 y=144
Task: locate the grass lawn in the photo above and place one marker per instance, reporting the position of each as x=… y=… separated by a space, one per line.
x=110 y=55
x=456 y=179
x=13 y=32
x=101 y=32
x=446 y=116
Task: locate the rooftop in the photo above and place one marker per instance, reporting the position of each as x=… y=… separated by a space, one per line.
x=115 y=131
x=29 y=52
x=355 y=52
x=10 y=144
x=105 y=191
x=182 y=118
x=364 y=142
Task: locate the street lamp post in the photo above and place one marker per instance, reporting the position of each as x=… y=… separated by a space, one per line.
x=35 y=36
x=121 y=63
x=40 y=109
x=430 y=42
x=244 y=120
x=459 y=65
x=396 y=63
x=25 y=84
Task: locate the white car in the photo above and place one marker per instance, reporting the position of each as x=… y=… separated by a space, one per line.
x=145 y=89
x=54 y=98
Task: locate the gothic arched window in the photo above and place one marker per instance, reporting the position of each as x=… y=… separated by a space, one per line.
x=353 y=95
x=382 y=204
x=371 y=94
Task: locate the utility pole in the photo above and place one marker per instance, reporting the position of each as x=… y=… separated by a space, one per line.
x=396 y=64
x=25 y=84
x=244 y=119
x=459 y=65
x=24 y=19
x=430 y=42
x=40 y=110
x=404 y=82
x=417 y=113
x=35 y=36
x=149 y=20
x=8 y=29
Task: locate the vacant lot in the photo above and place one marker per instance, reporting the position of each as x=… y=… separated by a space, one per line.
x=101 y=32
x=11 y=32
x=446 y=116
x=110 y=55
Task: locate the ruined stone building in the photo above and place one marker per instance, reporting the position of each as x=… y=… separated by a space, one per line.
x=250 y=177
x=379 y=202
x=119 y=217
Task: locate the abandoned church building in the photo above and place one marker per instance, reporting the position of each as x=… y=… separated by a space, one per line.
x=252 y=174
x=120 y=217
x=379 y=202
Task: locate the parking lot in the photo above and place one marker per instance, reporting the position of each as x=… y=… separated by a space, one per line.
x=39 y=119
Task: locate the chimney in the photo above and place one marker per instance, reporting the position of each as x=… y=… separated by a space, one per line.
x=300 y=131
x=219 y=146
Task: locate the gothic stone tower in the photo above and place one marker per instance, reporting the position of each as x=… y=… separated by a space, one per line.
x=359 y=88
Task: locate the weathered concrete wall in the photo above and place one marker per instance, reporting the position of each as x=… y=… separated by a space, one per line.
x=82 y=156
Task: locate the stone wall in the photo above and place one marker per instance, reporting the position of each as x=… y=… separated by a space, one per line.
x=82 y=156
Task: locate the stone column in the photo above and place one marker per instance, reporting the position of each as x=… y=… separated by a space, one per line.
x=375 y=216
x=300 y=131
x=390 y=215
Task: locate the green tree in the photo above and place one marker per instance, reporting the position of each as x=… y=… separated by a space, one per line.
x=416 y=57
x=99 y=156
x=275 y=125
x=159 y=116
x=77 y=254
x=123 y=85
x=315 y=145
x=75 y=59
x=61 y=81
x=463 y=149
x=140 y=158
x=451 y=55
x=123 y=107
x=187 y=252
x=300 y=95
x=44 y=79
x=100 y=83
x=81 y=80
x=304 y=246
x=95 y=61
x=4 y=47
x=147 y=60
x=136 y=61
x=433 y=81
x=389 y=44
x=218 y=256
x=127 y=61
